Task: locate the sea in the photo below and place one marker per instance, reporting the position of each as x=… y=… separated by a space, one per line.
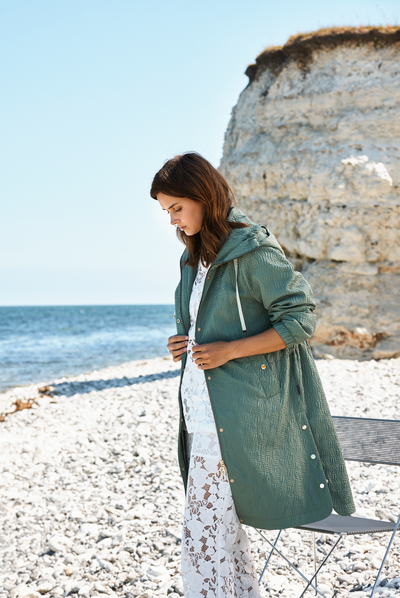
x=39 y=344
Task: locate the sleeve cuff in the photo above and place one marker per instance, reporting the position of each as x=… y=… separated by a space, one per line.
x=285 y=335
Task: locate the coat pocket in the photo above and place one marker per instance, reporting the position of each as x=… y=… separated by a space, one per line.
x=265 y=376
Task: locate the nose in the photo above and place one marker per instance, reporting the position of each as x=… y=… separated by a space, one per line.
x=174 y=219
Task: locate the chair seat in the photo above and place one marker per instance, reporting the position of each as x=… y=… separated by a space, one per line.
x=336 y=524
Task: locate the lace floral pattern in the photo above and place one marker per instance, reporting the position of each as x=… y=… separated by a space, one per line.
x=195 y=400
x=216 y=558
x=205 y=445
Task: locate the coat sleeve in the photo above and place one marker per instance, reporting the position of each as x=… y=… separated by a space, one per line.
x=285 y=294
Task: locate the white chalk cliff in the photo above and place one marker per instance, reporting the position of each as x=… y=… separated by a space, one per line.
x=312 y=151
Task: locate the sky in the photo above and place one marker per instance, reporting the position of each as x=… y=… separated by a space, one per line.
x=95 y=96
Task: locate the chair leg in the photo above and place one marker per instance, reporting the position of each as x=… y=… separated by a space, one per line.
x=319 y=569
x=315 y=561
x=269 y=556
x=384 y=558
x=309 y=582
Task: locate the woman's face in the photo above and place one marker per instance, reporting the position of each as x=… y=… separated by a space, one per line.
x=186 y=214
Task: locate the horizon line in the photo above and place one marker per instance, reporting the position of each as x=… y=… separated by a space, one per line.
x=87 y=305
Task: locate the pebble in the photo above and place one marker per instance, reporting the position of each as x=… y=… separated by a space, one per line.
x=92 y=501
x=347 y=579
x=45 y=587
x=394 y=583
x=90 y=529
x=359 y=566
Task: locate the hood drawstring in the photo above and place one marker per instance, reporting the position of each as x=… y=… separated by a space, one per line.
x=243 y=323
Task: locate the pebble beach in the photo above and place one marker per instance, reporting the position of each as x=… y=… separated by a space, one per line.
x=91 y=499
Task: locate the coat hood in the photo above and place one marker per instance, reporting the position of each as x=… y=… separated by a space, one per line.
x=242 y=240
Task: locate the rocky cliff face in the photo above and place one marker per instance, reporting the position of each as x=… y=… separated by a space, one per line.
x=312 y=151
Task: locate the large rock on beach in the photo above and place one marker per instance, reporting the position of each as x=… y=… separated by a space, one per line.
x=312 y=151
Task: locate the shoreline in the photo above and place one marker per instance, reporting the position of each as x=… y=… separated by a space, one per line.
x=31 y=391
x=4 y=390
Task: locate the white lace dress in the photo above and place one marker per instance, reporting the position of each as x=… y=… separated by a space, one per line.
x=216 y=558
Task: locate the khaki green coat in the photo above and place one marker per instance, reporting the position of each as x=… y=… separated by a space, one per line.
x=275 y=430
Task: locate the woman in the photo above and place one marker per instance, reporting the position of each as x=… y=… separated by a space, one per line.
x=256 y=443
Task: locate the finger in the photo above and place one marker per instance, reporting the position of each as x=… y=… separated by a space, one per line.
x=201 y=357
x=176 y=342
x=201 y=360
x=198 y=348
x=177 y=345
x=175 y=352
x=178 y=351
x=172 y=342
x=176 y=338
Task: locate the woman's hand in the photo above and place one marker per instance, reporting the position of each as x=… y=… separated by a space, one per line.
x=211 y=355
x=177 y=345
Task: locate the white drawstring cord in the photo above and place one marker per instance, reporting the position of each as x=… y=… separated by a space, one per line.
x=243 y=323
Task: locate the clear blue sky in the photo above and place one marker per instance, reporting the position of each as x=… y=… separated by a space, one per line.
x=95 y=96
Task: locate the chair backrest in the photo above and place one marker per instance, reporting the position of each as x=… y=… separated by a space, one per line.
x=370 y=440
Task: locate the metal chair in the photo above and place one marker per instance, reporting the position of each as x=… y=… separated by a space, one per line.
x=364 y=440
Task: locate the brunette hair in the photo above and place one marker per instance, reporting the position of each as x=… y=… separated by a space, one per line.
x=192 y=176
